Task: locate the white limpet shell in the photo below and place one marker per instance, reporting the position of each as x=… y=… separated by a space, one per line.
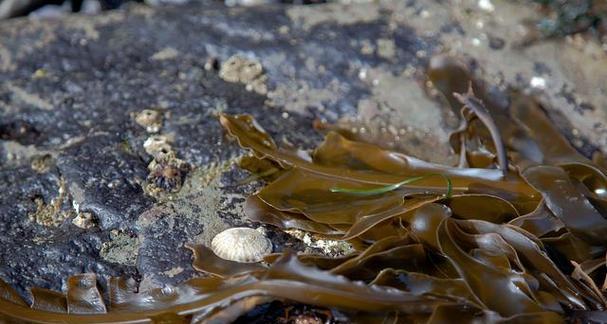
x=241 y=244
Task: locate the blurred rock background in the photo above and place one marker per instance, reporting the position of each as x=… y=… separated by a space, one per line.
x=46 y=8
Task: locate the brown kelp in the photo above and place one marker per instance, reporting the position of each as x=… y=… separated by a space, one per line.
x=517 y=232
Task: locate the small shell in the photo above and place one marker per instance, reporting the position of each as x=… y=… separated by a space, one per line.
x=150 y=119
x=241 y=244
x=158 y=146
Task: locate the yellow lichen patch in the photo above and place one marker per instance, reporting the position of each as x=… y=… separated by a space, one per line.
x=42 y=163
x=204 y=205
x=122 y=248
x=201 y=200
x=50 y=214
x=214 y=170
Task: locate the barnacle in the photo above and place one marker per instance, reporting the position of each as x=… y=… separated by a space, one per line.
x=520 y=239
x=168 y=175
x=166 y=170
x=150 y=119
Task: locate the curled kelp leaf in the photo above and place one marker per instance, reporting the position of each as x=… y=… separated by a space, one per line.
x=411 y=257
x=585 y=279
x=554 y=147
x=253 y=137
x=470 y=101
x=392 y=187
x=424 y=222
x=485 y=279
x=206 y=261
x=450 y=75
x=392 y=251
x=482 y=206
x=9 y=294
x=121 y=290
x=567 y=246
x=303 y=192
x=314 y=260
x=259 y=168
x=458 y=137
x=423 y=284
x=376 y=298
x=567 y=203
x=482 y=248
x=258 y=211
x=368 y=221
x=83 y=297
x=232 y=312
x=530 y=250
x=286 y=279
x=48 y=300
x=540 y=222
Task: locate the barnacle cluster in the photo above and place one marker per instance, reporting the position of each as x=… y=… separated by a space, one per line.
x=167 y=175
x=167 y=172
x=245 y=71
x=516 y=233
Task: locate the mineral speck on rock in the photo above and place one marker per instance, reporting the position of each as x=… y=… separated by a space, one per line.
x=84 y=220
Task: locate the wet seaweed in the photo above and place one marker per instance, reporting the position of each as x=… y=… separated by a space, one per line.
x=517 y=232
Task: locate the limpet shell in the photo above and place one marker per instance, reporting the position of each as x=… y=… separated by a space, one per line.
x=241 y=244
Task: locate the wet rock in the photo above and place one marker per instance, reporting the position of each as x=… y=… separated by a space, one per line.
x=32 y=252
x=496 y=43
x=105 y=179
x=74 y=90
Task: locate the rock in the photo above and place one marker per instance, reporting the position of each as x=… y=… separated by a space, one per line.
x=72 y=90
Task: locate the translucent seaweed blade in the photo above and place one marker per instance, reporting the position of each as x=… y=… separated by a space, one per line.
x=392 y=187
x=257 y=176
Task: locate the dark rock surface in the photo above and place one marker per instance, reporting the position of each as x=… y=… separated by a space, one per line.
x=71 y=89
x=70 y=145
